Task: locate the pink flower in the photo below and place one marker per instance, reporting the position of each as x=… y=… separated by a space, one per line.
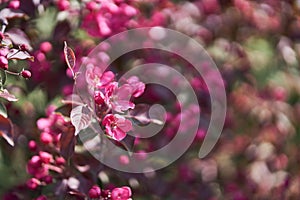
x=123 y=193
x=36 y=168
x=137 y=86
x=97 y=79
x=99 y=97
x=105 y=79
x=118 y=98
x=116 y=126
x=121 y=98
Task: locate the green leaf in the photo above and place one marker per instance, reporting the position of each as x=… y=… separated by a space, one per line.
x=3 y=77
x=3 y=110
x=46 y=22
x=39 y=99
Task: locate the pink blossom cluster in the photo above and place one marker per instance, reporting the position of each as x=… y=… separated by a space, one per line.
x=46 y=161
x=105 y=17
x=41 y=66
x=112 y=100
x=48 y=166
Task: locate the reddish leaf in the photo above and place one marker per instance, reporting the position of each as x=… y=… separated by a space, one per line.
x=19 y=55
x=70 y=58
x=126 y=144
x=65 y=110
x=141 y=114
x=62 y=29
x=77 y=193
x=61 y=187
x=6 y=130
x=18 y=37
x=67 y=143
x=6 y=95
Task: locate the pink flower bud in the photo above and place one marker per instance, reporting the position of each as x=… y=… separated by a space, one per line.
x=123 y=159
x=40 y=56
x=95 y=192
x=32 y=145
x=14 y=4
x=63 y=5
x=32 y=183
x=46 y=47
x=48 y=179
x=3 y=63
x=46 y=138
x=60 y=161
x=45 y=157
x=92 y=5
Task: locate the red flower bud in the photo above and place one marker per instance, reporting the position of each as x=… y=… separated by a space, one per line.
x=23 y=47
x=48 y=179
x=26 y=74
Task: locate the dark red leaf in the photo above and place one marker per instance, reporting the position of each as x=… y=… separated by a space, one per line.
x=70 y=58
x=18 y=37
x=126 y=144
x=6 y=130
x=65 y=110
x=67 y=142
x=7 y=13
x=61 y=30
x=141 y=114
x=77 y=193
